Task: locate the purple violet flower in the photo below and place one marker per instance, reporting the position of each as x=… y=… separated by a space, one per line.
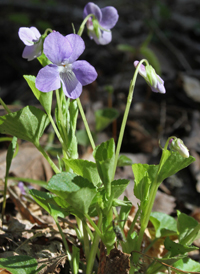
x=153 y=80
x=99 y=28
x=31 y=37
x=63 y=52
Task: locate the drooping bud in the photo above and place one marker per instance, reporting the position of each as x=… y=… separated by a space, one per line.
x=177 y=144
x=153 y=80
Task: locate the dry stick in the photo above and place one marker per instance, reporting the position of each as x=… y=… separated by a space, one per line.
x=164 y=264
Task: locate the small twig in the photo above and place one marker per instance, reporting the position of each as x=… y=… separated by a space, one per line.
x=52 y=267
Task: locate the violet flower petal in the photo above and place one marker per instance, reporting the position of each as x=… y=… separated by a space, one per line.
x=142 y=69
x=104 y=38
x=57 y=48
x=84 y=72
x=29 y=35
x=48 y=78
x=109 y=17
x=32 y=52
x=160 y=85
x=71 y=86
x=75 y=93
x=78 y=46
x=94 y=9
x=36 y=32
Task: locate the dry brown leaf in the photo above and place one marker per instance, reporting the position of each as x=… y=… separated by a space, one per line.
x=25 y=212
x=29 y=163
x=53 y=266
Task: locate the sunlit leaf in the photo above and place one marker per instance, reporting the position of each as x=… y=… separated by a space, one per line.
x=28 y=124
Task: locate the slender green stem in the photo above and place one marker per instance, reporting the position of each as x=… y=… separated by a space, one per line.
x=9 y=157
x=4 y=198
x=46 y=156
x=80 y=228
x=94 y=248
x=61 y=118
x=146 y=214
x=65 y=243
x=93 y=224
x=134 y=222
x=48 y=30
x=86 y=123
x=82 y=26
x=129 y=100
x=4 y=106
x=88 y=231
x=150 y=245
x=115 y=213
x=86 y=241
x=64 y=148
x=56 y=130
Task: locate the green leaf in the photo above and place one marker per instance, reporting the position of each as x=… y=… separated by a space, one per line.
x=64 y=183
x=50 y=202
x=19 y=264
x=45 y=98
x=82 y=199
x=97 y=200
x=177 y=248
x=186 y=264
x=124 y=212
x=84 y=168
x=171 y=163
x=124 y=161
x=118 y=187
x=164 y=224
x=75 y=259
x=144 y=175
x=104 y=117
x=28 y=124
x=78 y=191
x=10 y=154
x=104 y=155
x=185 y=225
x=118 y=202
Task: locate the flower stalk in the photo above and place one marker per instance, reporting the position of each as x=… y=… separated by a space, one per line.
x=126 y=112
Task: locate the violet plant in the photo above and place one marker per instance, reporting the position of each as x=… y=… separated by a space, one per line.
x=87 y=189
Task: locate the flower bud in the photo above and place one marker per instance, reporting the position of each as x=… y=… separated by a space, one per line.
x=152 y=79
x=177 y=144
